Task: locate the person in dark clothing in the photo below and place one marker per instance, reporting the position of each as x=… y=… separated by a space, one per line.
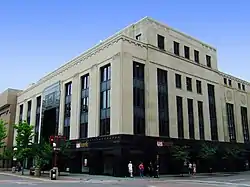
x=150 y=169
x=156 y=169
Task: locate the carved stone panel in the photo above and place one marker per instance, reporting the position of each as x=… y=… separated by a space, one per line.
x=229 y=95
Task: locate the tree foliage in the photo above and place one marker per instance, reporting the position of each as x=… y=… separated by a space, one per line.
x=207 y=151
x=3 y=133
x=232 y=152
x=180 y=153
x=24 y=136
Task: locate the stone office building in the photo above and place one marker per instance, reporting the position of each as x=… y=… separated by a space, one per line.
x=8 y=100
x=133 y=95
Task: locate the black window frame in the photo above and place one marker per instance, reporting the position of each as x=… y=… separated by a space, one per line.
x=244 y=122
x=201 y=120
x=199 y=86
x=160 y=42
x=180 y=120
x=197 y=56
x=189 y=85
x=176 y=48
x=38 y=114
x=208 y=61
x=178 y=81
x=231 y=122
x=186 y=52
x=212 y=112
x=29 y=111
x=67 y=110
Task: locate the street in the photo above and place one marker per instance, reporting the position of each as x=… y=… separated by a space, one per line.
x=234 y=180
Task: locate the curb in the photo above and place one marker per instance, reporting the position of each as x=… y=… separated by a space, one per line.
x=23 y=176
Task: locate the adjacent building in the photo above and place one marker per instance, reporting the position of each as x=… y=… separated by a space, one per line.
x=135 y=94
x=8 y=100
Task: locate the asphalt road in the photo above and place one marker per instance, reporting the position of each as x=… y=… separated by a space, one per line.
x=237 y=180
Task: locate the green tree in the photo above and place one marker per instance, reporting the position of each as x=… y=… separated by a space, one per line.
x=180 y=153
x=7 y=156
x=232 y=152
x=3 y=133
x=24 y=137
x=207 y=151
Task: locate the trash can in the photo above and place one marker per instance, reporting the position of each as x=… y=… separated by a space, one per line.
x=53 y=174
x=13 y=170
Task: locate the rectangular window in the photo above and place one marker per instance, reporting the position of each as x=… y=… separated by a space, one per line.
x=37 y=123
x=67 y=110
x=178 y=81
x=212 y=112
x=239 y=86
x=84 y=106
x=225 y=81
x=176 y=48
x=189 y=84
x=198 y=87
x=163 y=111
x=243 y=87
x=161 y=42
x=244 y=122
x=191 y=118
x=29 y=111
x=138 y=98
x=231 y=123
x=201 y=120
x=230 y=82
x=208 y=59
x=186 y=52
x=105 y=100
x=179 y=106
x=21 y=113
x=196 y=56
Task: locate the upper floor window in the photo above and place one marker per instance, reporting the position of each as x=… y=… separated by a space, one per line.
x=239 y=86
x=198 y=87
x=196 y=56
x=138 y=71
x=208 y=60
x=161 y=41
x=85 y=82
x=189 y=83
x=176 y=48
x=68 y=89
x=229 y=82
x=243 y=87
x=106 y=73
x=225 y=81
x=186 y=52
x=178 y=80
x=138 y=37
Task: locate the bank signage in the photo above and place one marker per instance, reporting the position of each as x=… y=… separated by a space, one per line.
x=82 y=145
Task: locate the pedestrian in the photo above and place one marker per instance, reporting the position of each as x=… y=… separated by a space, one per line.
x=190 y=169
x=150 y=169
x=130 y=169
x=141 y=169
x=194 y=168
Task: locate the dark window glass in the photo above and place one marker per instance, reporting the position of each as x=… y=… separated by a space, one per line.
x=231 y=123
x=84 y=106
x=244 y=122
x=176 y=48
x=198 y=87
x=160 y=42
x=196 y=56
x=138 y=99
x=163 y=111
x=201 y=120
x=179 y=106
x=178 y=81
x=67 y=110
x=191 y=118
x=21 y=113
x=212 y=112
x=68 y=89
x=230 y=82
x=225 y=81
x=208 y=59
x=37 y=122
x=105 y=100
x=189 y=83
x=186 y=52
x=239 y=86
x=243 y=87
x=29 y=111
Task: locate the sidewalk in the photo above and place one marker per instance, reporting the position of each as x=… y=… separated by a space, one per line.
x=85 y=177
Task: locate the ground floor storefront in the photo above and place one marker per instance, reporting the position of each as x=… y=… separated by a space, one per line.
x=110 y=155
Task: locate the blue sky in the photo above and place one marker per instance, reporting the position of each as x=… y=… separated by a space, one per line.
x=36 y=37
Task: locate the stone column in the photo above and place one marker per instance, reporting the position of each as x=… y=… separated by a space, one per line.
x=61 y=109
